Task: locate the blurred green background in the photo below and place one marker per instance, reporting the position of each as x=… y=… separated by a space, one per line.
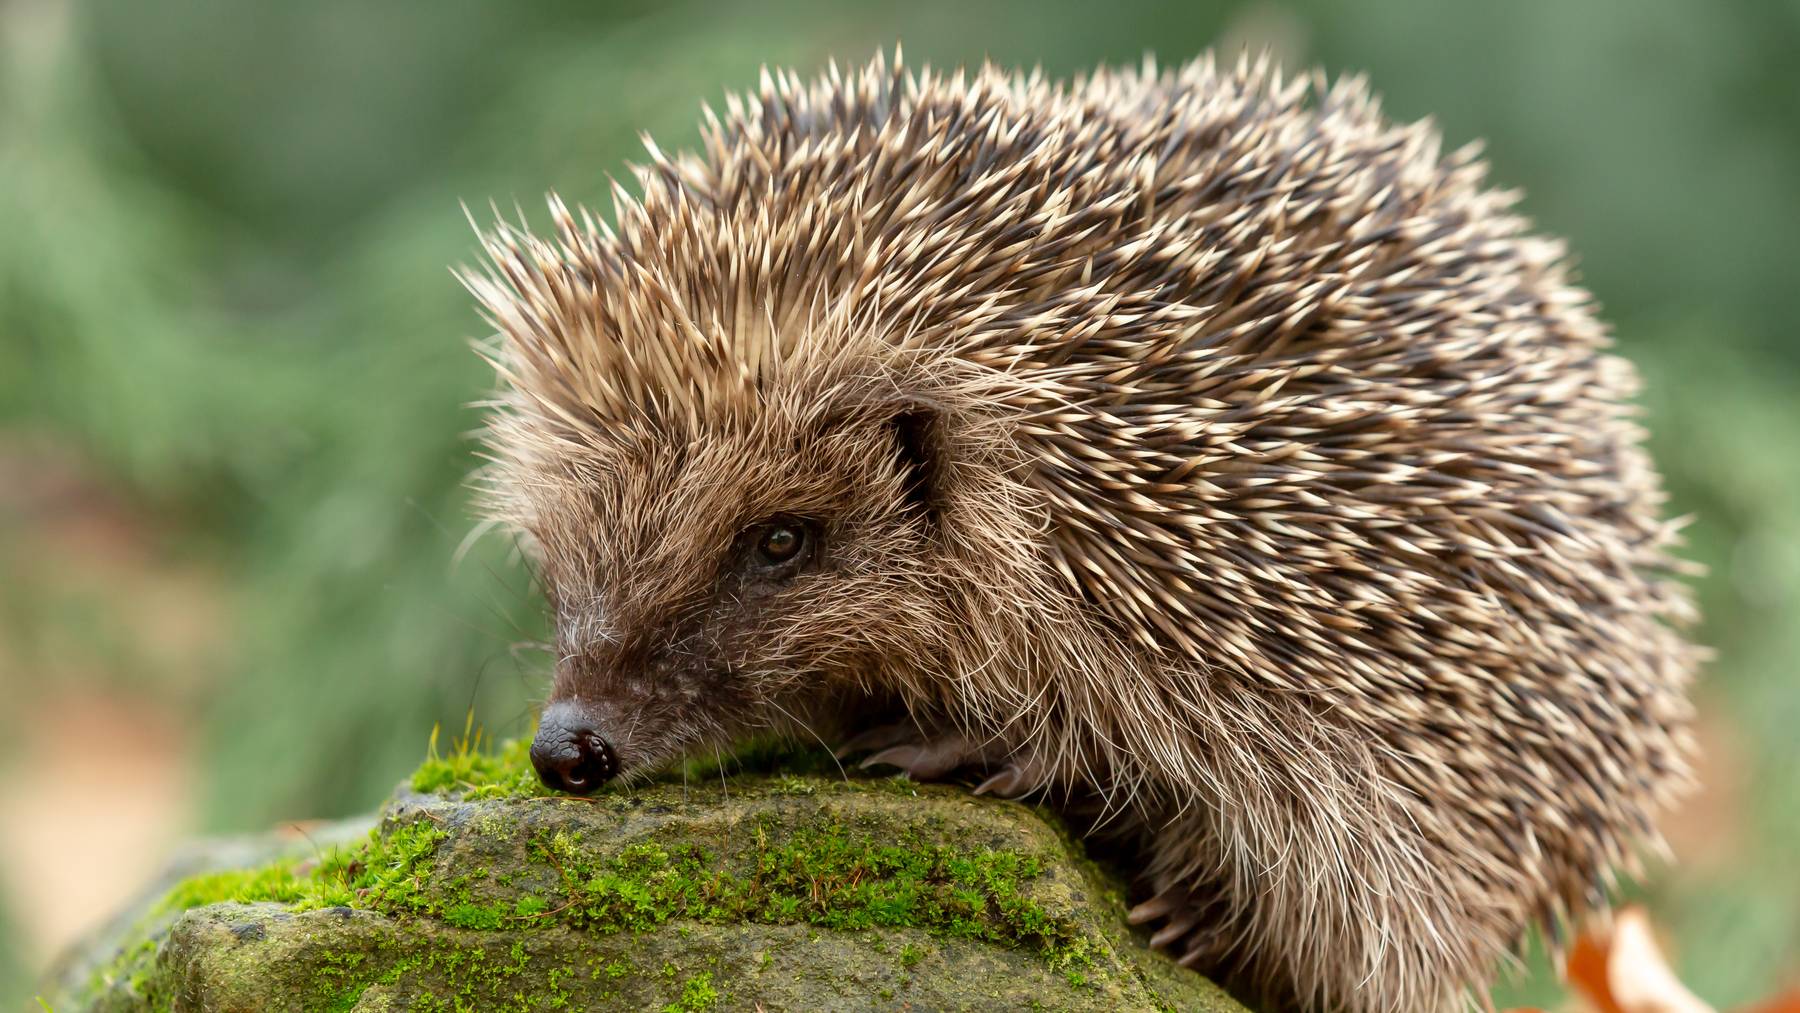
x=234 y=387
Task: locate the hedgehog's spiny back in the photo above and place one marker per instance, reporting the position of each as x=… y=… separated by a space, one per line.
x=1225 y=313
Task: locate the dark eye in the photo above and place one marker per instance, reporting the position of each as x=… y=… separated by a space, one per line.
x=780 y=543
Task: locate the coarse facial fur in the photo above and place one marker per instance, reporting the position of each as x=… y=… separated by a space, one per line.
x=1194 y=441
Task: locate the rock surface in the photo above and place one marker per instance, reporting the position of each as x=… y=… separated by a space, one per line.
x=778 y=891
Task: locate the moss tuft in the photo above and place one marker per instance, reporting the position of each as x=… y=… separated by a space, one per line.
x=477 y=773
x=697 y=995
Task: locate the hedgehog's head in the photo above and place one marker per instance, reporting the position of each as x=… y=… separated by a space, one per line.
x=735 y=532
x=711 y=582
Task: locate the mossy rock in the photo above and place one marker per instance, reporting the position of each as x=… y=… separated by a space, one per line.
x=772 y=890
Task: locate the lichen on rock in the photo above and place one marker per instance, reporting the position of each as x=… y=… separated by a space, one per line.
x=786 y=889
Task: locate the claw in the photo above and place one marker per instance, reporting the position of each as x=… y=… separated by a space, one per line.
x=879 y=737
x=919 y=762
x=1192 y=935
x=1010 y=782
x=893 y=756
x=1156 y=907
x=1203 y=947
x=1173 y=931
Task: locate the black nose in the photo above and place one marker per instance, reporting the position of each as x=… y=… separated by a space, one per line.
x=568 y=754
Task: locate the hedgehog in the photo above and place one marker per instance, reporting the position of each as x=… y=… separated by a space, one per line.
x=1194 y=449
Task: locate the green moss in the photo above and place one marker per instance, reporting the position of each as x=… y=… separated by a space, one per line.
x=697 y=995
x=270 y=883
x=449 y=871
x=473 y=978
x=132 y=965
x=478 y=916
x=825 y=875
x=388 y=870
x=476 y=773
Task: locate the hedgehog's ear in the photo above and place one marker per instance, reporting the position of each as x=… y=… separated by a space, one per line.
x=918 y=446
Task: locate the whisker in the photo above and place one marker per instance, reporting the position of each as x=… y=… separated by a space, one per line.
x=809 y=730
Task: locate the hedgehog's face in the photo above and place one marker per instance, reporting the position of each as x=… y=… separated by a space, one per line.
x=708 y=586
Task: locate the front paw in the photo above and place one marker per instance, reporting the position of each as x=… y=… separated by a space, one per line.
x=926 y=757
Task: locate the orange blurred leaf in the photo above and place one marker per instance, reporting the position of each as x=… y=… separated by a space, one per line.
x=1625 y=972
x=1586 y=971
x=1787 y=1002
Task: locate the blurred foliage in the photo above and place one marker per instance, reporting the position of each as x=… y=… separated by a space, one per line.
x=224 y=283
x=12 y=976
